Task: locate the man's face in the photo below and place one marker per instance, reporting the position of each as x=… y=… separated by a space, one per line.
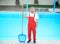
x=32 y=10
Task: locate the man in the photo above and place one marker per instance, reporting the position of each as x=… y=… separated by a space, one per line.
x=32 y=24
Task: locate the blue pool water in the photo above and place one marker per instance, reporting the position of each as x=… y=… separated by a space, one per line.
x=11 y=24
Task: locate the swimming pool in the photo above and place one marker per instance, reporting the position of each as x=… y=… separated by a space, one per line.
x=11 y=22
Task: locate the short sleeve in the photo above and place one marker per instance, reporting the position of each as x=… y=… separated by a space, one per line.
x=36 y=16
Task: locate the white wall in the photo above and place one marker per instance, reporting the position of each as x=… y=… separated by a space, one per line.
x=22 y=2
x=46 y=2
x=31 y=1
x=7 y=2
x=12 y=2
x=41 y=2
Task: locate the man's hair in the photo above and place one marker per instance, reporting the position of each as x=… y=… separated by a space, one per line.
x=32 y=7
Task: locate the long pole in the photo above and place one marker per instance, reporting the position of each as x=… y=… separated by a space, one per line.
x=22 y=17
x=26 y=5
x=54 y=6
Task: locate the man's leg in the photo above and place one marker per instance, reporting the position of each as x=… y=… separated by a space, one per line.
x=29 y=34
x=34 y=34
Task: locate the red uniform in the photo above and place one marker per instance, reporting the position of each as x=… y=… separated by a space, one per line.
x=31 y=27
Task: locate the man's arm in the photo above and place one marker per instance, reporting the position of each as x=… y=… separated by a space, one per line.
x=36 y=17
x=24 y=15
x=36 y=22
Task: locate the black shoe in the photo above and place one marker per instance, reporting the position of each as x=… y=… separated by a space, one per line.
x=34 y=41
x=28 y=41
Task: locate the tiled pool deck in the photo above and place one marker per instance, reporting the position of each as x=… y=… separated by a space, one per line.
x=38 y=42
